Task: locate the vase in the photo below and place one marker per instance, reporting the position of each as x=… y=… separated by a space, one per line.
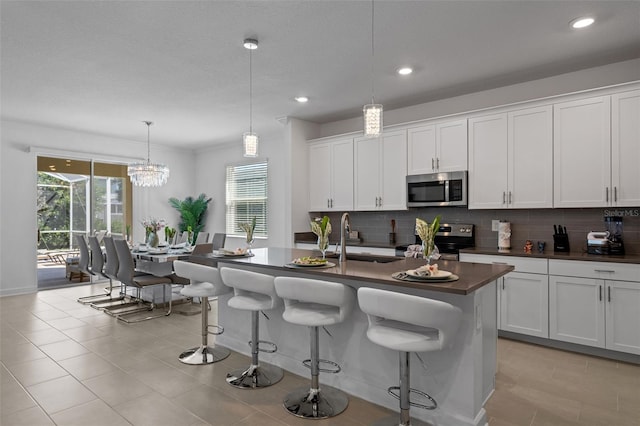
x=430 y=252
x=153 y=240
x=323 y=244
x=249 y=244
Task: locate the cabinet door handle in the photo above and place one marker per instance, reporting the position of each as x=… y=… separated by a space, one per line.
x=609 y=293
x=509 y=197
x=610 y=271
x=438 y=163
x=503 y=284
x=332 y=203
x=327 y=203
x=600 y=292
x=615 y=194
x=607 y=193
x=380 y=202
x=433 y=167
x=504 y=195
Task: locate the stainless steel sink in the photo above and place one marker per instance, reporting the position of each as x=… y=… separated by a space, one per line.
x=366 y=257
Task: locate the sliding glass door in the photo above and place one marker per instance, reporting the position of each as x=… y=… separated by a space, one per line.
x=77 y=197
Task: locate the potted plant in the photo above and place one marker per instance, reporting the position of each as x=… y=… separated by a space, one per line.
x=192 y=214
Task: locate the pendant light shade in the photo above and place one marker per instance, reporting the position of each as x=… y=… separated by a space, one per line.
x=372 y=112
x=148 y=174
x=250 y=139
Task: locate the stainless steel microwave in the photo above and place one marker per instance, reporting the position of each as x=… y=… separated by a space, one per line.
x=437 y=189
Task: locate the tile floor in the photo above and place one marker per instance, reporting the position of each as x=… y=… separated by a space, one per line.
x=64 y=363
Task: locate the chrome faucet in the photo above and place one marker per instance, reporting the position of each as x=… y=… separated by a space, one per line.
x=345 y=226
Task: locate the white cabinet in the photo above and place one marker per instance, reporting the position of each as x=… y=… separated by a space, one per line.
x=592 y=303
x=625 y=149
x=510 y=160
x=380 y=170
x=331 y=175
x=582 y=153
x=522 y=295
x=439 y=147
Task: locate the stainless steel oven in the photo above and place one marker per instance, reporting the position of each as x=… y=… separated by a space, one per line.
x=437 y=189
x=450 y=239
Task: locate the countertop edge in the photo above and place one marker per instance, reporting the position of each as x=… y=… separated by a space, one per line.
x=628 y=258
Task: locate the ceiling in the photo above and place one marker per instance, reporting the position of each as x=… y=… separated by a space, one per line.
x=104 y=66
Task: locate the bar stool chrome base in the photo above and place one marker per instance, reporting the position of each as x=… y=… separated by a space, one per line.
x=393 y=421
x=203 y=355
x=311 y=403
x=255 y=377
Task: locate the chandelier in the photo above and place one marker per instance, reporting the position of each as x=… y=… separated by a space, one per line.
x=250 y=139
x=148 y=173
x=372 y=112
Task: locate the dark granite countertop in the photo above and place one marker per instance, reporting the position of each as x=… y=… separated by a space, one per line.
x=472 y=275
x=628 y=258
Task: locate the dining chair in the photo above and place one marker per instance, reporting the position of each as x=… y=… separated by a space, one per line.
x=128 y=276
x=97 y=264
x=203 y=237
x=84 y=259
x=218 y=241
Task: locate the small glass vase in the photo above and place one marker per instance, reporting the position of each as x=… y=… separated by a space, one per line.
x=430 y=252
x=249 y=245
x=153 y=240
x=323 y=245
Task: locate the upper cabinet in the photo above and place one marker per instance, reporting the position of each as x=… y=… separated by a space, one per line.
x=380 y=170
x=582 y=153
x=510 y=160
x=625 y=149
x=331 y=175
x=440 y=147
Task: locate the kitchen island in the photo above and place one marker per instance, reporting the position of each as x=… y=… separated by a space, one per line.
x=460 y=378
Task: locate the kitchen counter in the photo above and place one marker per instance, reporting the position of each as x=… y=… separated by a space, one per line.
x=461 y=377
x=628 y=258
x=472 y=275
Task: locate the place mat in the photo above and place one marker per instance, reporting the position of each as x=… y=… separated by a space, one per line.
x=297 y=266
x=403 y=276
x=230 y=256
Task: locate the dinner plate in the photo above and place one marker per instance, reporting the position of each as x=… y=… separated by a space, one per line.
x=318 y=265
x=163 y=251
x=439 y=276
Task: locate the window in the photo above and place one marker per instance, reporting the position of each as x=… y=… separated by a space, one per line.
x=247 y=197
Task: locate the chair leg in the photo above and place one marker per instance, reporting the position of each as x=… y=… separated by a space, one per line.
x=256 y=376
x=312 y=403
x=204 y=354
x=124 y=317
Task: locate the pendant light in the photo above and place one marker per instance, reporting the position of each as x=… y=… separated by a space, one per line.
x=148 y=173
x=372 y=112
x=250 y=139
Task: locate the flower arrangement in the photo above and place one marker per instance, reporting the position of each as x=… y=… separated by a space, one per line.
x=427 y=233
x=153 y=225
x=322 y=228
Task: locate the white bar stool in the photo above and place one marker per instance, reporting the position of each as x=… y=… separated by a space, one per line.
x=205 y=283
x=407 y=323
x=315 y=303
x=256 y=293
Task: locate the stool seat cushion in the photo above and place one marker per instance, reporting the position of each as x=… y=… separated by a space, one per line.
x=199 y=290
x=404 y=337
x=311 y=314
x=250 y=301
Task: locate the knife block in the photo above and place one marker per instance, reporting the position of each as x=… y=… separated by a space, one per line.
x=561 y=243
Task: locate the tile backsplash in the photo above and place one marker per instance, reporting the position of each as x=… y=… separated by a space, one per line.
x=535 y=225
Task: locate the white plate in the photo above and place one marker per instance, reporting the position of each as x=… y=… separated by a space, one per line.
x=164 y=251
x=440 y=275
x=320 y=265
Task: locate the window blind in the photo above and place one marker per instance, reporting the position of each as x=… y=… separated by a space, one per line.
x=246 y=198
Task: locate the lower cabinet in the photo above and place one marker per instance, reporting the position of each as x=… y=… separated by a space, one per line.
x=523 y=295
x=588 y=308
x=523 y=304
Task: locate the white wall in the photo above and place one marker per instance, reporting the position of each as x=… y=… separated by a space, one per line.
x=18 y=222
x=616 y=73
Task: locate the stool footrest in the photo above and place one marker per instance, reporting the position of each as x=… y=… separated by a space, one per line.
x=273 y=347
x=335 y=370
x=393 y=389
x=219 y=329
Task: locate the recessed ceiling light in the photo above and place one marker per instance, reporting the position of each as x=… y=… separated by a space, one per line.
x=250 y=43
x=582 y=22
x=301 y=99
x=405 y=70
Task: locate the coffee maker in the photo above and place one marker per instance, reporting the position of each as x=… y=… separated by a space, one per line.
x=614 y=226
